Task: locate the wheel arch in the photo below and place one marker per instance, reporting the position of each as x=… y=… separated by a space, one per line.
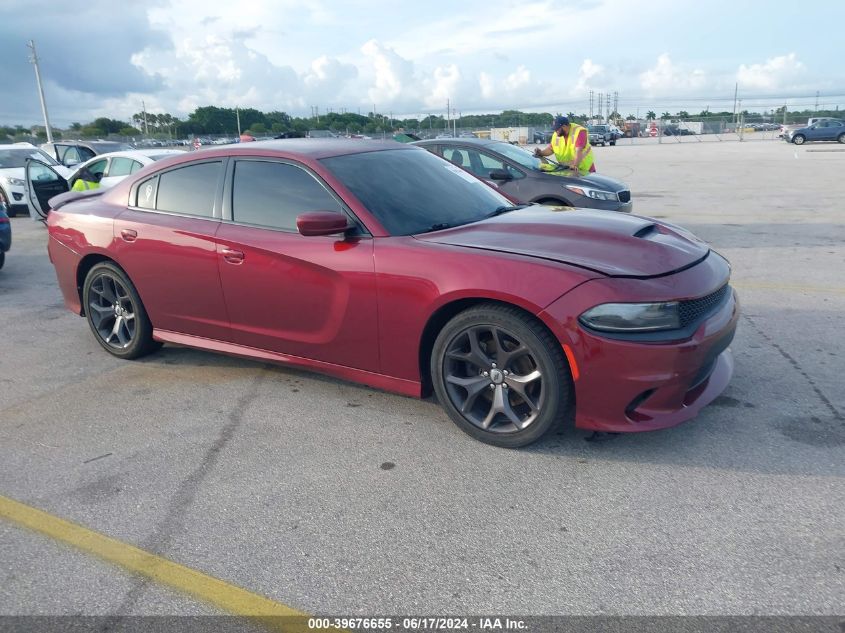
x=445 y=313
x=556 y=199
x=85 y=265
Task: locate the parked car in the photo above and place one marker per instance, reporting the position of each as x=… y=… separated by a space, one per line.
x=601 y=135
x=674 y=130
x=515 y=316
x=108 y=169
x=822 y=130
x=12 y=174
x=542 y=137
x=5 y=234
x=72 y=153
x=521 y=176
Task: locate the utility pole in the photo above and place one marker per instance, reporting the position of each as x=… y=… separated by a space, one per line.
x=448 y=114
x=34 y=60
x=616 y=101
x=816 y=109
x=736 y=91
x=238 y=116
x=144 y=110
x=591 y=104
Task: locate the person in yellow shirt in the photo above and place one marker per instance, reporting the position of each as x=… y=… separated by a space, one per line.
x=86 y=180
x=570 y=145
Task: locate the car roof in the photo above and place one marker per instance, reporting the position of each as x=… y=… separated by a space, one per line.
x=457 y=141
x=137 y=153
x=314 y=148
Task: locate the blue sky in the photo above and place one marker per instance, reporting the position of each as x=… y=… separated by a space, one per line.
x=410 y=58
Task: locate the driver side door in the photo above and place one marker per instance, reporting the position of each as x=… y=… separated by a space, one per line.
x=42 y=183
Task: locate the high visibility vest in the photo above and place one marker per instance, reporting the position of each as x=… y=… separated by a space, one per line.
x=82 y=185
x=564 y=148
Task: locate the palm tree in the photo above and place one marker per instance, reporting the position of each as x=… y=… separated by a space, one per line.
x=650 y=115
x=666 y=115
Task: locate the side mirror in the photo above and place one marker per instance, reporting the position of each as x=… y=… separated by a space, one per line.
x=500 y=174
x=315 y=223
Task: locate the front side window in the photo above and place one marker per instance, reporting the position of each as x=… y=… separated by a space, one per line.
x=274 y=194
x=189 y=190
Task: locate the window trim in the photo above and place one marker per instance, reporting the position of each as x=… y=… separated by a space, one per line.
x=229 y=192
x=218 y=193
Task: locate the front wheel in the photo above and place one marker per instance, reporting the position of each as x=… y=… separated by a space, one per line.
x=798 y=139
x=501 y=376
x=115 y=313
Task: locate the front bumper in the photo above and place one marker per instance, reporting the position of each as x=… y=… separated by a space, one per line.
x=626 y=386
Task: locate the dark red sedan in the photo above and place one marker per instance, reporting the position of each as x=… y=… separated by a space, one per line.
x=387 y=265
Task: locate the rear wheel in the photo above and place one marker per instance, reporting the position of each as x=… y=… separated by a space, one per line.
x=798 y=139
x=841 y=138
x=2 y=258
x=501 y=376
x=115 y=313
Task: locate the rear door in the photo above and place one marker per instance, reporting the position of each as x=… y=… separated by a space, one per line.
x=312 y=297
x=119 y=168
x=165 y=241
x=42 y=183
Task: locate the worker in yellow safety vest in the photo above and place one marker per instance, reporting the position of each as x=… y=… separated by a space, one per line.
x=85 y=181
x=570 y=145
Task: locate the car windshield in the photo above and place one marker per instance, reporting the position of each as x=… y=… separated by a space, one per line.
x=600 y=129
x=414 y=191
x=518 y=155
x=10 y=158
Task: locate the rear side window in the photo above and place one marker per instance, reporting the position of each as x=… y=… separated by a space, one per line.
x=189 y=190
x=120 y=166
x=273 y=194
x=146 y=193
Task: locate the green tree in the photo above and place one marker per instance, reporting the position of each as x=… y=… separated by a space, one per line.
x=650 y=115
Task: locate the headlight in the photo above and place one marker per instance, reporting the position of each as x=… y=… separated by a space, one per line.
x=632 y=317
x=14 y=182
x=595 y=194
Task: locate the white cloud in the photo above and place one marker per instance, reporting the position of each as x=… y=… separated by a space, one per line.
x=668 y=78
x=588 y=75
x=776 y=72
x=393 y=73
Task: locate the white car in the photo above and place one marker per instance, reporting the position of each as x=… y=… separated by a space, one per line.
x=12 y=178
x=50 y=179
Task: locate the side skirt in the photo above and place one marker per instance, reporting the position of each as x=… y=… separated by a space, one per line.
x=389 y=383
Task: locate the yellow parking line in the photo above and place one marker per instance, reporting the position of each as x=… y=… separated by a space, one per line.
x=764 y=285
x=216 y=592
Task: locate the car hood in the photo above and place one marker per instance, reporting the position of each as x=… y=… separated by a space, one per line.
x=614 y=244
x=590 y=180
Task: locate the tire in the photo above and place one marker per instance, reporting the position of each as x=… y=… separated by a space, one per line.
x=841 y=138
x=798 y=139
x=501 y=376
x=115 y=313
x=612 y=143
x=2 y=259
x=4 y=199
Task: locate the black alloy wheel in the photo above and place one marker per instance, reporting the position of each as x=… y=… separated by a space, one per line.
x=115 y=313
x=501 y=375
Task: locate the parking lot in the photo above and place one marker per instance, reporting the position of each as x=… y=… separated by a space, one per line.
x=331 y=498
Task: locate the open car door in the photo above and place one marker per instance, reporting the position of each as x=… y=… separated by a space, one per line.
x=42 y=183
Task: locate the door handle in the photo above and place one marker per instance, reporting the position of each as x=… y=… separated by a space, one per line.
x=129 y=235
x=232 y=256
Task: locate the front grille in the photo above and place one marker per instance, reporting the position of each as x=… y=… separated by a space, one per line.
x=694 y=309
x=624 y=196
